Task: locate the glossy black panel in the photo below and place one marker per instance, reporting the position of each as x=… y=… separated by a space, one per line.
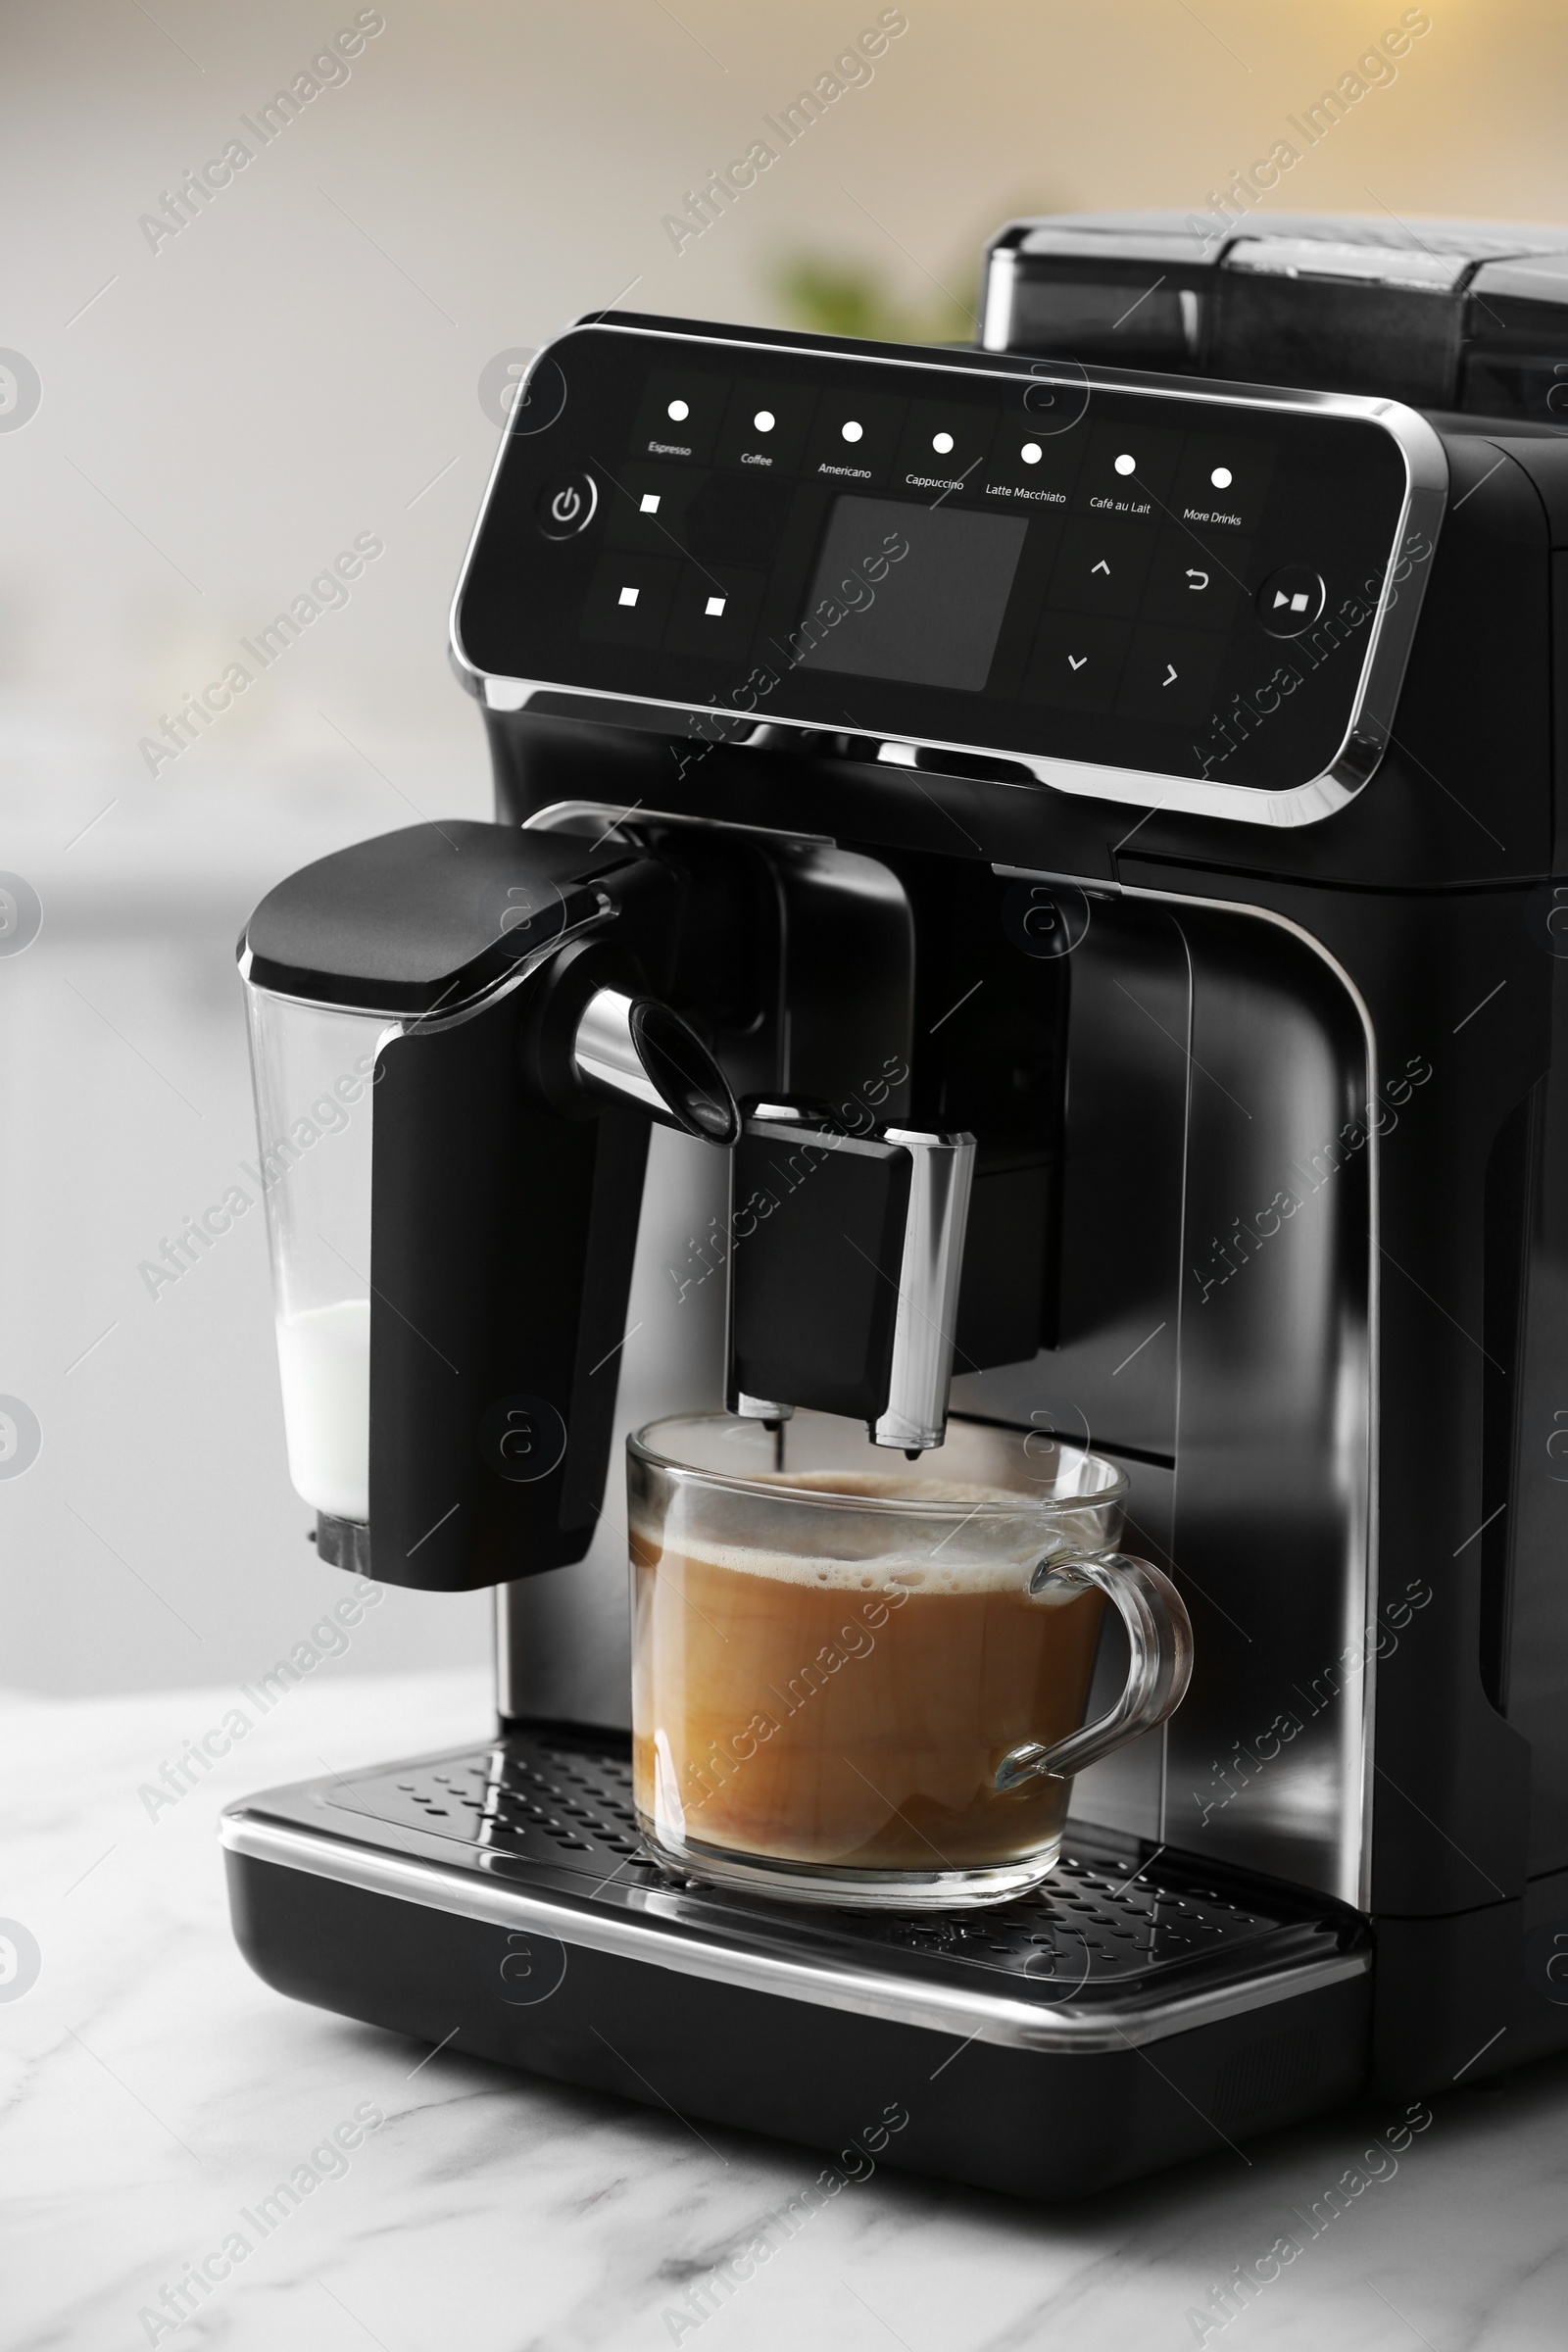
x=816 y=1245
x=1530 y=1599
x=940 y=548
x=1266 y=1761
x=1110 y=1377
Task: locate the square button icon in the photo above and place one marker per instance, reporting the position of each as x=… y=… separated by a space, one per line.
x=628 y=598
x=715 y=611
x=645 y=506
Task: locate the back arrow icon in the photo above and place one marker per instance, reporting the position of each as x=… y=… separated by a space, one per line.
x=1197 y=579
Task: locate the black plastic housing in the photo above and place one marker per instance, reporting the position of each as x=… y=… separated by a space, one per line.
x=502 y=1238
x=817 y=1225
x=1465 y=314
x=1024 y=2123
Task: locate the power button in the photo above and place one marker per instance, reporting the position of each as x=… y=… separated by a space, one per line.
x=566 y=507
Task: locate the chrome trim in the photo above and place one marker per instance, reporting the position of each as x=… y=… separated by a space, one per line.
x=1187 y=302
x=644 y=1932
x=1393 y=627
x=669 y=1076
x=916 y=1414
x=605 y=1055
x=505 y=1618
x=1349 y=1877
x=1001 y=273
x=1357 y=1888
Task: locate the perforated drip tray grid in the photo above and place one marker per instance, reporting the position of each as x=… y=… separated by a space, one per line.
x=549 y=1810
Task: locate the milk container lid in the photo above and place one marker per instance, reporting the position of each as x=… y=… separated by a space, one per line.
x=424 y=919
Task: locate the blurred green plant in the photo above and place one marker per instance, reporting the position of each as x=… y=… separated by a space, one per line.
x=832 y=296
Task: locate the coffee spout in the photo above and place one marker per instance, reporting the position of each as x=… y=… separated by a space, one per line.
x=844 y=1273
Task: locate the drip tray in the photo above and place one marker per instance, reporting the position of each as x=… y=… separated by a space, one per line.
x=535 y=1831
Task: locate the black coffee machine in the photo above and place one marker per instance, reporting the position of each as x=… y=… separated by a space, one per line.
x=1023 y=885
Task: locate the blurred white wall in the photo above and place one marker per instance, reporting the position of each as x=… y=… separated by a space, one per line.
x=222 y=411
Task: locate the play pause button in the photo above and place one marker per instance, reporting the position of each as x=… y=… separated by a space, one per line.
x=1290 y=599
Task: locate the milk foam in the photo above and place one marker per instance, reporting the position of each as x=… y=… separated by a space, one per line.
x=886 y=1486
x=901 y=1564
x=821 y=1572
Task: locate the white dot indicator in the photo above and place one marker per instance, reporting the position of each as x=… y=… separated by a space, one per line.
x=1221 y=477
x=1126 y=463
x=764 y=421
x=677 y=412
x=852 y=431
x=1031 y=453
x=713 y=606
x=941 y=443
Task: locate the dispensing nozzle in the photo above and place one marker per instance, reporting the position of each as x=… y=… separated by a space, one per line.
x=634 y=1050
x=845 y=1262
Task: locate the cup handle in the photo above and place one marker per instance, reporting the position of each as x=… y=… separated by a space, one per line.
x=1160 y=1636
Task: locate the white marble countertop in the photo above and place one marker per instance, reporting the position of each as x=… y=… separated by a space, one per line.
x=155 y=2090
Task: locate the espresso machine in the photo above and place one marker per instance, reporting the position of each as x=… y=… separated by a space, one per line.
x=1022 y=897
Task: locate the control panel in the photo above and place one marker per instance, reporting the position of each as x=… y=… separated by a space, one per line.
x=1119 y=583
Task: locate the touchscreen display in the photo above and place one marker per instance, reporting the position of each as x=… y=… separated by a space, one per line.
x=954 y=553
x=911 y=592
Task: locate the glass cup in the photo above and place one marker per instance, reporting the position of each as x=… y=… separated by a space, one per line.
x=862 y=1682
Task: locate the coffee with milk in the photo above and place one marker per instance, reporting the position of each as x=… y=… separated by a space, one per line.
x=845 y=1702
